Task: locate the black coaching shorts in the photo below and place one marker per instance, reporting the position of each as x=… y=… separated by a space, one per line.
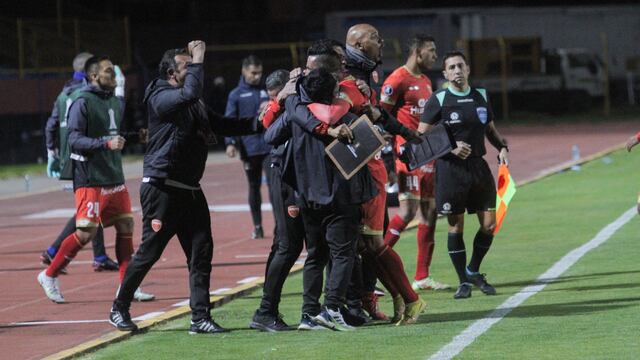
x=464 y=185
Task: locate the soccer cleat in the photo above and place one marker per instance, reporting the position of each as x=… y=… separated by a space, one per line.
x=268 y=323
x=398 y=309
x=257 y=233
x=428 y=283
x=206 y=326
x=480 y=281
x=46 y=259
x=371 y=306
x=51 y=287
x=105 y=265
x=307 y=322
x=332 y=319
x=121 y=319
x=412 y=311
x=463 y=292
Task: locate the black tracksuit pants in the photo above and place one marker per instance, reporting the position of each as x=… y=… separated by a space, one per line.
x=253 y=168
x=287 y=243
x=184 y=213
x=331 y=233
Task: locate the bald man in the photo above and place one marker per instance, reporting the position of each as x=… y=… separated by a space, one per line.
x=363 y=55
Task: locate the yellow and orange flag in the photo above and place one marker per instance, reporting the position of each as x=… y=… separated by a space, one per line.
x=506 y=190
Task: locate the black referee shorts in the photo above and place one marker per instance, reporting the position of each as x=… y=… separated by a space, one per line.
x=464 y=185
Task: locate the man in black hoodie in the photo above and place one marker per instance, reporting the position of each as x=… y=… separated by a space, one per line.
x=180 y=128
x=329 y=204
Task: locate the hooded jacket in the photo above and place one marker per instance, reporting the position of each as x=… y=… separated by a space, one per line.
x=181 y=126
x=308 y=169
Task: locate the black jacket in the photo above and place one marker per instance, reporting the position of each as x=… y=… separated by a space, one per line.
x=181 y=126
x=309 y=170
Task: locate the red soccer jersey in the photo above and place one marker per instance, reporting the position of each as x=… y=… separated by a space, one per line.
x=349 y=91
x=405 y=95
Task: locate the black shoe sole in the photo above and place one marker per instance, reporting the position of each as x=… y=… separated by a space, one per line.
x=133 y=328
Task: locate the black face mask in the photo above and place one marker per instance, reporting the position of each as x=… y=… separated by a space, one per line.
x=358 y=59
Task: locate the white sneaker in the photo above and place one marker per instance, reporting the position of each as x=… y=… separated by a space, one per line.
x=428 y=284
x=51 y=287
x=332 y=319
x=142 y=296
x=139 y=295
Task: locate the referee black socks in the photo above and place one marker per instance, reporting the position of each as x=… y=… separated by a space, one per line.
x=481 y=244
x=458 y=255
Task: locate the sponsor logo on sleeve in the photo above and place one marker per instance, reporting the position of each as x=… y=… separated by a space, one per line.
x=387 y=90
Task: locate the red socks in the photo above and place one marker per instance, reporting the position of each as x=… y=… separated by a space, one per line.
x=124 y=250
x=391 y=262
x=425 y=251
x=384 y=277
x=68 y=250
x=396 y=226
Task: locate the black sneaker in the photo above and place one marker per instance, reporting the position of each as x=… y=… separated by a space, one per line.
x=268 y=323
x=480 y=281
x=121 y=319
x=106 y=265
x=307 y=323
x=463 y=292
x=257 y=233
x=354 y=316
x=206 y=326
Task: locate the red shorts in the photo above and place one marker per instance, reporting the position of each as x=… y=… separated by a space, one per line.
x=373 y=210
x=102 y=205
x=418 y=184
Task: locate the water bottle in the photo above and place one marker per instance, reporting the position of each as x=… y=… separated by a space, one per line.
x=575 y=156
x=27 y=182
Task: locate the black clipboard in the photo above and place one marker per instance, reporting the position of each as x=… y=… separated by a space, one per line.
x=351 y=157
x=435 y=143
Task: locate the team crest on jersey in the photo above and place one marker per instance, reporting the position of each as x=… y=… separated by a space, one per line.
x=454 y=116
x=482 y=114
x=387 y=90
x=293 y=211
x=156 y=224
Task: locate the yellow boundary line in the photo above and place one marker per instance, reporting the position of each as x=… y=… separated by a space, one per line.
x=144 y=326
x=240 y=291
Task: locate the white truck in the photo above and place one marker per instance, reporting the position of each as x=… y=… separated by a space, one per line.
x=554 y=80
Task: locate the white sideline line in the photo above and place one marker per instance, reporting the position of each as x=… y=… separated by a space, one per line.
x=33 y=323
x=466 y=337
x=248 y=280
x=68 y=212
x=219 y=291
x=148 y=316
x=181 y=303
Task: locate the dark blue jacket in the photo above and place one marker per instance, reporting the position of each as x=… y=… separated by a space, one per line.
x=181 y=126
x=244 y=101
